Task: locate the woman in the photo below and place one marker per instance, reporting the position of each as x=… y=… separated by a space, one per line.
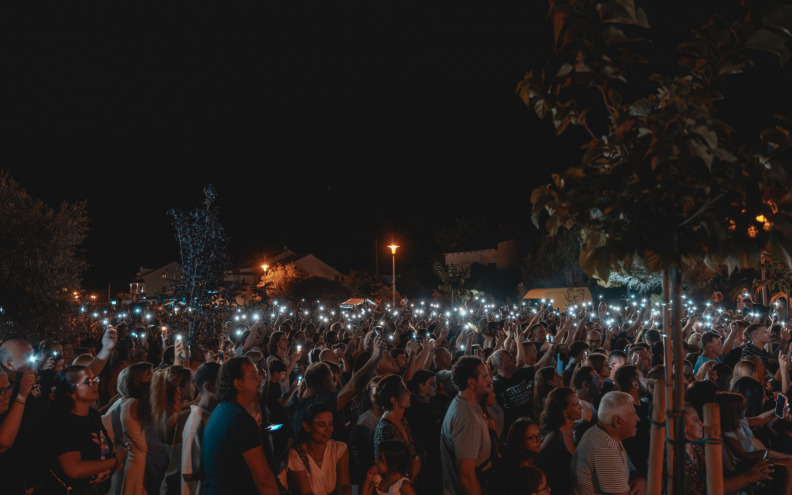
x=9 y=424
x=170 y=387
x=425 y=416
x=546 y=379
x=148 y=455
x=523 y=443
x=562 y=409
x=529 y=481
x=83 y=455
x=362 y=440
x=320 y=465
x=393 y=397
x=742 y=448
x=278 y=349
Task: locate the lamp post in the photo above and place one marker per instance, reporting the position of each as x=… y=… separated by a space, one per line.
x=264 y=267
x=393 y=252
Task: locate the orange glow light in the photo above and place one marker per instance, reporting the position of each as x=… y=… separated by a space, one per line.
x=393 y=248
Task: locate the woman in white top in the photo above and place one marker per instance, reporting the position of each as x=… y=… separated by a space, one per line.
x=319 y=466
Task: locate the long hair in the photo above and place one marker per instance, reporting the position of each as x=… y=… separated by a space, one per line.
x=272 y=346
x=164 y=386
x=515 y=443
x=65 y=385
x=552 y=417
x=542 y=387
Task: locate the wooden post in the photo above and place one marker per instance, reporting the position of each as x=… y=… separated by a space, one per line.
x=669 y=382
x=675 y=311
x=712 y=449
x=657 y=439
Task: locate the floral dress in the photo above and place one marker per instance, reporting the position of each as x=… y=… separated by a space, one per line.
x=386 y=430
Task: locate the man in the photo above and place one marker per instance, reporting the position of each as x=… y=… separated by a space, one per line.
x=511 y=386
x=588 y=385
x=465 y=442
x=192 y=438
x=232 y=453
x=630 y=380
x=758 y=336
x=640 y=357
x=600 y=465
x=594 y=339
x=712 y=349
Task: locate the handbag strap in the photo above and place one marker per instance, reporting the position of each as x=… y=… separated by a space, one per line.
x=304 y=459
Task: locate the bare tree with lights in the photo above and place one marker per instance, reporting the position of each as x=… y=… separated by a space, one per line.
x=204 y=259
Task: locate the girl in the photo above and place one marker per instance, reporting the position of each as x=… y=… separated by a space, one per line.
x=388 y=476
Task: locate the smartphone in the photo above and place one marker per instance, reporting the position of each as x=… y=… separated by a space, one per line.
x=273 y=427
x=781 y=404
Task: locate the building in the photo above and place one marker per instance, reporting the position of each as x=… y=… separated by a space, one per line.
x=504 y=256
x=150 y=282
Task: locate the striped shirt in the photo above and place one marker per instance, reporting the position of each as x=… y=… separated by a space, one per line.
x=600 y=465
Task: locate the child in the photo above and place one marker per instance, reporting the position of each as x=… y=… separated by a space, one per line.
x=386 y=476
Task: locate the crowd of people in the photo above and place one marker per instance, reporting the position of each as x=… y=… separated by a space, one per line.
x=523 y=398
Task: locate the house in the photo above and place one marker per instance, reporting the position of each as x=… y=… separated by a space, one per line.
x=152 y=281
x=504 y=256
x=308 y=263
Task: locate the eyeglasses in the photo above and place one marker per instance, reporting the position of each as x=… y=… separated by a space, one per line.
x=6 y=390
x=90 y=382
x=535 y=438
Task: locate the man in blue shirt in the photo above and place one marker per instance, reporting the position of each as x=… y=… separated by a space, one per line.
x=233 y=456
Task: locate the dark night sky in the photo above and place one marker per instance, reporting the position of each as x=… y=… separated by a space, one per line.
x=321 y=128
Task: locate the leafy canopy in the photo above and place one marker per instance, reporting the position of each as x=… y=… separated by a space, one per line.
x=661 y=181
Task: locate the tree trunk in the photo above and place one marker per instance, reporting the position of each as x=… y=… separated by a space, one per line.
x=713 y=452
x=674 y=373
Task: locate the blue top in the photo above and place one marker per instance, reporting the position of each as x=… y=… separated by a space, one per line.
x=229 y=433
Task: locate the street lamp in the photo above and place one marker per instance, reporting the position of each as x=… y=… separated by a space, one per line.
x=264 y=267
x=393 y=252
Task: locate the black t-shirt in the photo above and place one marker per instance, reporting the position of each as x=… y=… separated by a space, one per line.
x=229 y=433
x=514 y=395
x=83 y=434
x=21 y=464
x=276 y=413
x=637 y=447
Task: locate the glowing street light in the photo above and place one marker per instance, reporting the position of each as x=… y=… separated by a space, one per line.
x=264 y=267
x=393 y=248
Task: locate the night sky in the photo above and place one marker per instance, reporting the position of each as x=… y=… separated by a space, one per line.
x=320 y=128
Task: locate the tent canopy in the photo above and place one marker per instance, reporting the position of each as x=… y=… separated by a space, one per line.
x=561 y=296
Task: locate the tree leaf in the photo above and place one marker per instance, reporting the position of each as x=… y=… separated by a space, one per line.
x=768 y=41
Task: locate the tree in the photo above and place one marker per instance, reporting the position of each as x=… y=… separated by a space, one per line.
x=280 y=280
x=41 y=260
x=204 y=259
x=452 y=279
x=661 y=180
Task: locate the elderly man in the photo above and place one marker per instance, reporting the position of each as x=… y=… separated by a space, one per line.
x=600 y=465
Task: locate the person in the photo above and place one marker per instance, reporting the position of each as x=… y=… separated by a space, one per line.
x=192 y=437
x=9 y=423
x=425 y=416
x=600 y=465
x=695 y=473
x=279 y=351
x=319 y=465
x=630 y=380
x=562 y=409
x=232 y=454
x=711 y=349
x=758 y=336
x=169 y=388
x=528 y=481
x=21 y=468
x=512 y=385
x=390 y=474
x=523 y=442
x=82 y=454
x=588 y=385
x=393 y=398
x=148 y=455
x=319 y=387
x=275 y=414
x=546 y=379
x=465 y=447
